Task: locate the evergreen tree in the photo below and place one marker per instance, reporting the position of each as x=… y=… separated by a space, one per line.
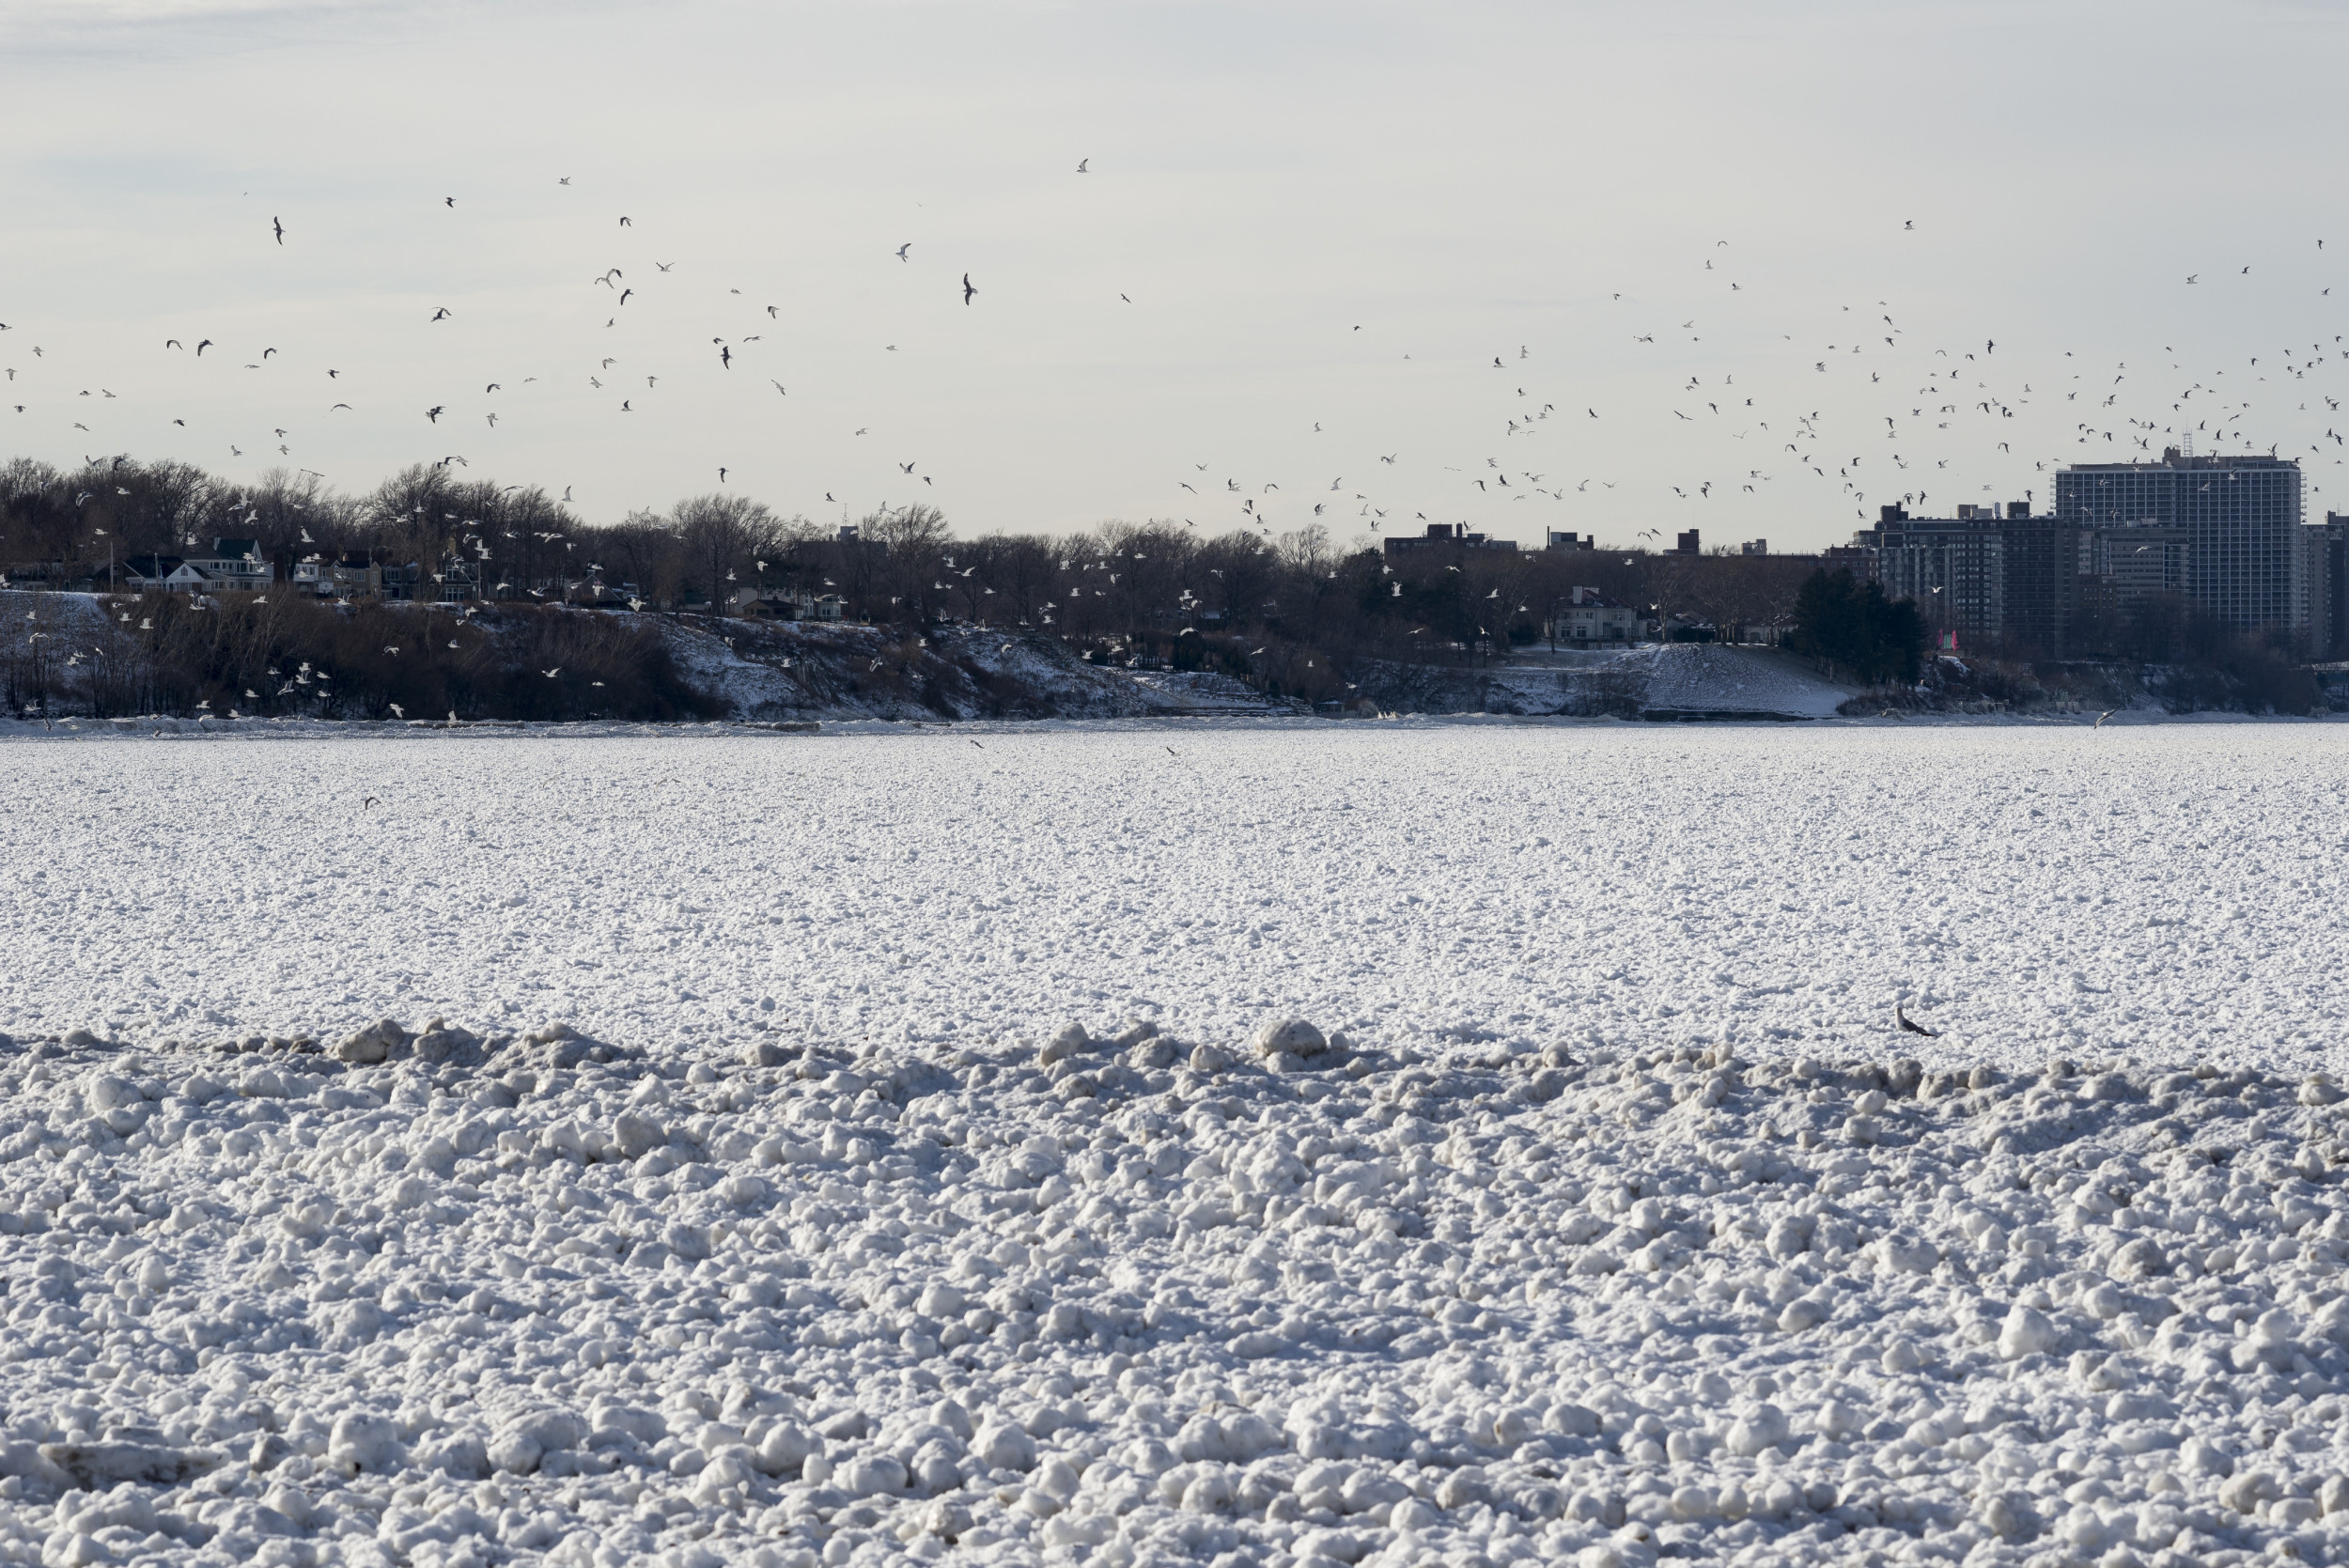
x=1852 y=624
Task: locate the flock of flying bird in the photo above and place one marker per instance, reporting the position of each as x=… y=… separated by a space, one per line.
x=1933 y=407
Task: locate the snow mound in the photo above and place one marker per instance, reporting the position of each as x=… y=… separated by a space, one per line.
x=807 y=1303
x=1709 y=678
x=1667 y=680
x=438 y=1045
x=1209 y=692
x=799 y=670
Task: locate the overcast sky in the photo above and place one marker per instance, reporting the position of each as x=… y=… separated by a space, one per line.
x=1306 y=233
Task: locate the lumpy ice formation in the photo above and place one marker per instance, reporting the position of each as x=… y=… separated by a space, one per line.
x=1285 y=1298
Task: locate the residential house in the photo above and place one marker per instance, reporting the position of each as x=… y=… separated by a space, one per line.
x=352 y=576
x=234 y=567
x=146 y=574
x=1587 y=617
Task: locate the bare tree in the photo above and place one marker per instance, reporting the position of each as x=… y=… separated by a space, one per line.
x=913 y=542
x=721 y=536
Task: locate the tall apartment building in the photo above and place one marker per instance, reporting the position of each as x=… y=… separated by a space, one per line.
x=2139 y=561
x=2247 y=559
x=2009 y=582
x=1953 y=568
x=2328 y=587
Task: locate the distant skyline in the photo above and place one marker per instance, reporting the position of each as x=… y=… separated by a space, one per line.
x=1305 y=235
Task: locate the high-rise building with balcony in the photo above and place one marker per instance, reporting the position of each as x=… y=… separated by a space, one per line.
x=2247 y=558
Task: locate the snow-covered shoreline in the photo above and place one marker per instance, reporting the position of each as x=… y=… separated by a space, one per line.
x=166 y=727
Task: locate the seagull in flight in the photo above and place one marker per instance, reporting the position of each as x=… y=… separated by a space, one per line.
x=279 y=229
x=967 y=289
x=1080 y=165
x=901 y=253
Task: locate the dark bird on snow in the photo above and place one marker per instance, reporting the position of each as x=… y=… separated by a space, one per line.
x=1911 y=1026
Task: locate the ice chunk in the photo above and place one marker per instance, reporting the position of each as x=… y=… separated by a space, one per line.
x=1763 y=1427
x=372 y=1043
x=96 y=1467
x=364 y=1441
x=2026 y=1332
x=521 y=1442
x=1068 y=1040
x=1004 y=1447
x=1287 y=1037
x=787 y=1446
x=870 y=1475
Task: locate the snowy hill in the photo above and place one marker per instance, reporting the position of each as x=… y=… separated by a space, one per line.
x=1669 y=680
x=809 y=670
x=1708 y=679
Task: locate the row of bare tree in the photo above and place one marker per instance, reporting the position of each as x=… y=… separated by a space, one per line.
x=275 y=655
x=1135 y=587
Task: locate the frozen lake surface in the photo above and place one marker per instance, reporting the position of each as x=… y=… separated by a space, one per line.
x=2165 y=891
x=1462 y=1144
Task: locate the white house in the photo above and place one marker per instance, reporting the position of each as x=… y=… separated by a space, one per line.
x=234 y=567
x=1588 y=616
